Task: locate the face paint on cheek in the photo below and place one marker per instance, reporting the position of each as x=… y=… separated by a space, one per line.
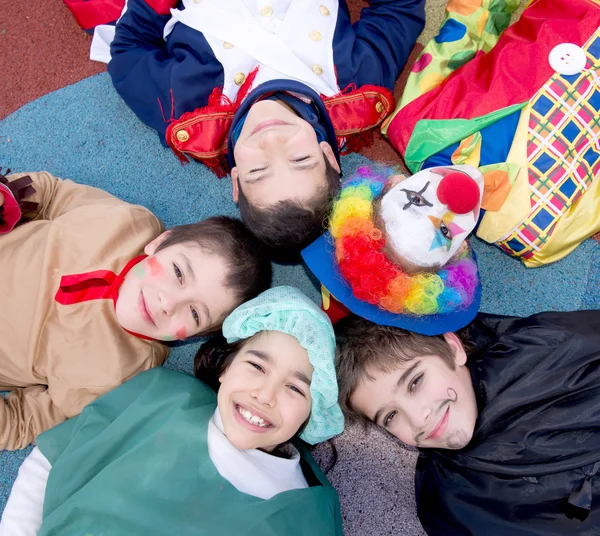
x=181 y=333
x=156 y=268
x=139 y=271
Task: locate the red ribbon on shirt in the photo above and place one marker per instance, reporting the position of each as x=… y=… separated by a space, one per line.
x=97 y=285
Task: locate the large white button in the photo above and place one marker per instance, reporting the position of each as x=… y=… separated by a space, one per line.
x=567 y=59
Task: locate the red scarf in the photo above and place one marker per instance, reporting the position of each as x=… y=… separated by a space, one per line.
x=98 y=285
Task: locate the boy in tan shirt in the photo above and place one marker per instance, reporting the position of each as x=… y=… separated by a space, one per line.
x=92 y=288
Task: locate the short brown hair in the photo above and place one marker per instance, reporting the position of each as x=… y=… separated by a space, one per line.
x=363 y=345
x=248 y=264
x=287 y=227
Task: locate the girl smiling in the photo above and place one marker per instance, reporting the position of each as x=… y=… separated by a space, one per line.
x=163 y=455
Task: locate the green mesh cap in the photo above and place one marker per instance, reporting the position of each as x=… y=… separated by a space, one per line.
x=287 y=310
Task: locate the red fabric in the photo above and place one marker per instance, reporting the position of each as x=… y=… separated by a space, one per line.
x=162 y=7
x=91 y=13
x=336 y=310
x=353 y=112
x=511 y=73
x=10 y=213
x=97 y=285
x=207 y=129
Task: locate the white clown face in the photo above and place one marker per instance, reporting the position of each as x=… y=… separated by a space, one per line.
x=429 y=215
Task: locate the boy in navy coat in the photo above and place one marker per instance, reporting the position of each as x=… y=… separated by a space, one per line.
x=270 y=91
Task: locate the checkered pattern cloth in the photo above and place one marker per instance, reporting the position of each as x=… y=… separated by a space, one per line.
x=563 y=151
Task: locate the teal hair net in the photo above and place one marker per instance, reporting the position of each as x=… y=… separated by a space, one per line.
x=287 y=310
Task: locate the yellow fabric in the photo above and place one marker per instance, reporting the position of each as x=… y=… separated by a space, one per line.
x=496 y=225
x=581 y=221
x=468 y=151
x=58 y=358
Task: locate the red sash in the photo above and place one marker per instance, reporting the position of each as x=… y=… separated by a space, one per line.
x=202 y=134
x=97 y=285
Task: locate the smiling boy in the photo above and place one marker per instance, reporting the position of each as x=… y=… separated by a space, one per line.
x=508 y=434
x=93 y=287
x=269 y=91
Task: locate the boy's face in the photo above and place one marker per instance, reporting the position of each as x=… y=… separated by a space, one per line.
x=175 y=293
x=278 y=157
x=264 y=397
x=424 y=403
x=418 y=204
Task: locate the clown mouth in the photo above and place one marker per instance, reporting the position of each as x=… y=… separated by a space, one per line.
x=251 y=419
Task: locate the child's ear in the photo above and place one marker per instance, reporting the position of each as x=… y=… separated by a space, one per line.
x=460 y=356
x=328 y=152
x=392 y=181
x=459 y=252
x=150 y=248
x=235 y=183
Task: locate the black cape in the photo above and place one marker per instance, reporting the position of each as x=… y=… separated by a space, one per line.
x=533 y=464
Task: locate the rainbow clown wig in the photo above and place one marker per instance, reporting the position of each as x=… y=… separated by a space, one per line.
x=373 y=278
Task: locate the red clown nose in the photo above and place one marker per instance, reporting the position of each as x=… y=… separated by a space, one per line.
x=459 y=191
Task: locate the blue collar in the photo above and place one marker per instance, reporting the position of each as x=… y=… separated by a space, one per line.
x=315 y=115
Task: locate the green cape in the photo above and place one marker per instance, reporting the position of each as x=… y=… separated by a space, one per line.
x=136 y=462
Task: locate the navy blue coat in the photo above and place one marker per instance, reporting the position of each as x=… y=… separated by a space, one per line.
x=183 y=71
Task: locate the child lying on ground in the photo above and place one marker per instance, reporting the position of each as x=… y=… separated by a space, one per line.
x=507 y=422
x=536 y=141
x=396 y=250
x=92 y=290
x=162 y=454
x=268 y=92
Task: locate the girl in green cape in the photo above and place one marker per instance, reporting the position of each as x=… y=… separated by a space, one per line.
x=162 y=454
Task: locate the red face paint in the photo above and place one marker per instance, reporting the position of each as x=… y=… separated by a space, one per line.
x=181 y=333
x=156 y=268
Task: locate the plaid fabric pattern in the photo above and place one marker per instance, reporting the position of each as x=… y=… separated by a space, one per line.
x=563 y=151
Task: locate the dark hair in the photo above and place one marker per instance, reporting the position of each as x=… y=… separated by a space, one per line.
x=363 y=345
x=213 y=359
x=248 y=265
x=287 y=227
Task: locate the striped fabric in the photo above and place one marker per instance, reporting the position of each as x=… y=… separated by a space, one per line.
x=563 y=151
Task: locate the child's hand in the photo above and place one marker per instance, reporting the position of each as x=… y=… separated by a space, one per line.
x=1 y=199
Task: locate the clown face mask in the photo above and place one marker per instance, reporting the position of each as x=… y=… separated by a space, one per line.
x=429 y=215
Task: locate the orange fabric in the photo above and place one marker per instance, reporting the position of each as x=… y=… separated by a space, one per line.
x=463 y=7
x=496 y=189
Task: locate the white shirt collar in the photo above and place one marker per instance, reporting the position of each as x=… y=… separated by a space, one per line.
x=253 y=471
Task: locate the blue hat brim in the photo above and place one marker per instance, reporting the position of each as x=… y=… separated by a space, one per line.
x=320 y=258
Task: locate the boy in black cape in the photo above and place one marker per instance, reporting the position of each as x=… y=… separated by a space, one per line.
x=506 y=416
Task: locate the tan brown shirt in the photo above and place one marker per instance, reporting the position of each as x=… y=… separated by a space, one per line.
x=57 y=358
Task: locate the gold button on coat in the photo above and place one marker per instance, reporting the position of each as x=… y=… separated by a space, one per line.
x=317 y=69
x=324 y=10
x=182 y=136
x=239 y=79
x=379 y=107
x=227 y=45
x=266 y=11
x=315 y=35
